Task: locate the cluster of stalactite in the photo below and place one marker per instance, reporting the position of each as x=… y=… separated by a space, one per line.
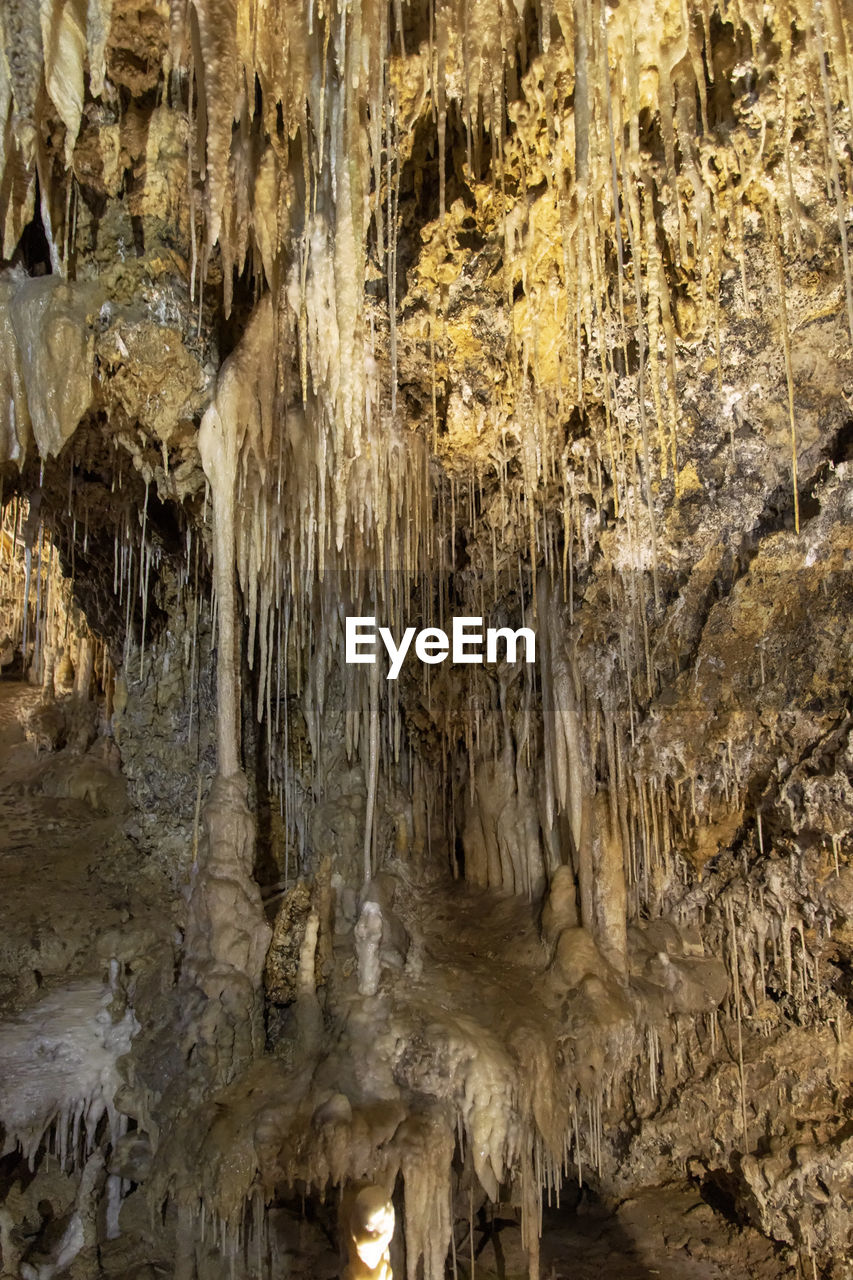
x=45 y=638
x=657 y=155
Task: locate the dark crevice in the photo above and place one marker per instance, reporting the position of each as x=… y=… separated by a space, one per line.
x=841 y=448
x=719 y=1189
x=33 y=251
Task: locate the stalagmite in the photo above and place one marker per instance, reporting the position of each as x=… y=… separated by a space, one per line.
x=84 y=668
x=611 y=904
x=368 y=936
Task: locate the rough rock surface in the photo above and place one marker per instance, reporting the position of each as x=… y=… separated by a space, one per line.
x=541 y=314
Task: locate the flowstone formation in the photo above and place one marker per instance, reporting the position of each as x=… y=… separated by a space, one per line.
x=536 y=314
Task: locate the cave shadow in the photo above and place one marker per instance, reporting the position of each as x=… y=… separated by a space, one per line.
x=585 y=1237
x=581 y=1245
x=579 y=1240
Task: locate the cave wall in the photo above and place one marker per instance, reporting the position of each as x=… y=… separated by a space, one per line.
x=536 y=313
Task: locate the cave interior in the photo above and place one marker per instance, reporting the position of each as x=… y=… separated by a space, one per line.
x=531 y=319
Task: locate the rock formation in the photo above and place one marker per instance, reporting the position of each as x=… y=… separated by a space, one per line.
x=534 y=314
